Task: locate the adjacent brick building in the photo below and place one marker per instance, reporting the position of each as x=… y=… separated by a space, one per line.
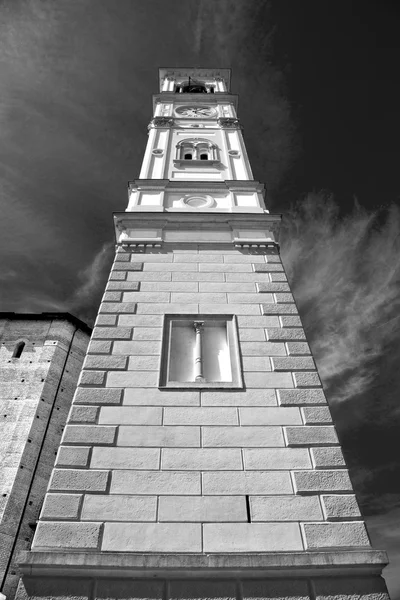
x=199 y=458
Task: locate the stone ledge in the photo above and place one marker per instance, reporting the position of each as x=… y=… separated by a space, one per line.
x=271 y=564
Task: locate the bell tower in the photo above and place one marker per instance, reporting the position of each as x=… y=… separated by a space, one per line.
x=199 y=459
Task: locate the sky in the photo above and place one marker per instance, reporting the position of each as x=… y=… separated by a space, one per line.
x=318 y=93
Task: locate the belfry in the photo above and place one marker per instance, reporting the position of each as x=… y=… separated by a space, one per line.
x=199 y=459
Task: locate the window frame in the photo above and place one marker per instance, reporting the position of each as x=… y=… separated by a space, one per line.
x=233 y=345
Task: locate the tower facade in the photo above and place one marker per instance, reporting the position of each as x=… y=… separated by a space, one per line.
x=199 y=459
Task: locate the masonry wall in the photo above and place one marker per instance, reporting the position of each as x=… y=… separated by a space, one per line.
x=36 y=391
x=199 y=471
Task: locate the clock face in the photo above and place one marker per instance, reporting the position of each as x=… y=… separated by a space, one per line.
x=196 y=111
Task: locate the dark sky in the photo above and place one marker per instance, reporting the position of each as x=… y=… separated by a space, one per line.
x=319 y=97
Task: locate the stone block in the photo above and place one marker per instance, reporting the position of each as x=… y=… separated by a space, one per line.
x=278 y=309
x=200 y=416
x=225 y=268
x=140 y=320
x=61 y=506
x=280 y=334
x=268 y=268
x=73 y=456
x=96 y=347
x=240 y=287
x=196 y=276
x=182 y=298
x=332 y=535
x=106 y=320
x=316 y=415
x=91 y=378
x=129 y=589
x=229 y=309
x=83 y=414
x=301 y=397
x=99 y=396
x=257 y=321
x=80 y=536
x=289 y=321
x=147 y=297
x=117 y=275
x=201 y=459
x=269 y=459
x=89 y=434
x=155 y=397
x=161 y=309
x=149 y=276
x=132 y=379
x=340 y=508
x=268 y=380
x=202 y=509
x=262 y=349
x=275 y=589
x=112 y=333
x=151 y=537
x=273 y=258
x=198 y=258
x=284 y=298
x=248 y=298
x=252 y=335
x=123 y=286
x=147 y=333
x=112 y=297
x=316 y=482
x=186 y=589
x=244 y=483
x=125 y=266
x=287 y=363
x=105 y=362
x=252 y=397
x=155 y=482
x=256 y=363
x=311 y=436
x=77 y=480
x=278 y=277
x=327 y=458
x=171 y=267
x=298 y=349
x=157 y=258
x=246 y=277
x=126 y=307
x=270 y=287
x=238 y=437
x=159 y=436
x=306 y=380
x=170 y=286
x=252 y=537
x=269 y=416
x=122 y=255
x=125 y=458
x=138 y=348
x=350 y=588
x=126 y=415
x=244 y=258
x=285 y=508
x=119 y=508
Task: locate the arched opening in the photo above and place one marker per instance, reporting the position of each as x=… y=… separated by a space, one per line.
x=203 y=156
x=19 y=348
x=188 y=156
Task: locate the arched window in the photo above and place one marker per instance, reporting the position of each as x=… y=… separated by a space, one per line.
x=196 y=150
x=19 y=348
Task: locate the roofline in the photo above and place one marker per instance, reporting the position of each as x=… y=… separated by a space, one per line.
x=46 y=316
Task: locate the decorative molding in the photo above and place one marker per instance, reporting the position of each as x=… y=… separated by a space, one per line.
x=229 y=123
x=161 y=122
x=197 y=201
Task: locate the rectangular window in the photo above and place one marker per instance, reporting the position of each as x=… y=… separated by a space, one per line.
x=200 y=351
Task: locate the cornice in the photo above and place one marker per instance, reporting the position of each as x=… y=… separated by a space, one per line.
x=212 y=99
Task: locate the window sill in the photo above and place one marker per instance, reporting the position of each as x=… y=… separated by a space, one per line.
x=190 y=385
x=196 y=163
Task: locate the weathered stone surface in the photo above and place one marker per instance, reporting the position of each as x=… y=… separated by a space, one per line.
x=151 y=537
x=234 y=483
x=149 y=276
x=121 y=255
x=125 y=266
x=201 y=459
x=285 y=508
x=242 y=437
x=125 y=458
x=99 y=396
x=311 y=436
x=99 y=347
x=78 y=480
x=327 y=458
x=269 y=268
x=290 y=321
x=123 y=286
x=311 y=482
x=61 y=506
x=117 y=276
x=298 y=348
x=200 y=416
x=160 y=436
x=273 y=287
x=284 y=298
x=273 y=589
x=155 y=482
x=112 y=297
x=268 y=380
x=349 y=588
x=276 y=458
x=92 y=378
x=304 y=363
x=306 y=380
x=106 y=320
x=105 y=362
x=89 y=434
x=119 y=508
x=202 y=509
x=126 y=415
x=262 y=349
x=270 y=416
x=301 y=397
x=66 y=535
x=278 y=277
x=72 y=456
x=155 y=397
x=328 y=535
x=83 y=414
x=252 y=537
x=340 y=507
x=282 y=335
x=279 y=309
x=316 y=415
x=251 y=397
x=112 y=333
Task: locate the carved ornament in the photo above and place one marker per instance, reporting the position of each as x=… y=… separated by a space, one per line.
x=229 y=123
x=161 y=122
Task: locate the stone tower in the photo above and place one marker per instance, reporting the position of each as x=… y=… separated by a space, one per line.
x=199 y=459
x=41 y=356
